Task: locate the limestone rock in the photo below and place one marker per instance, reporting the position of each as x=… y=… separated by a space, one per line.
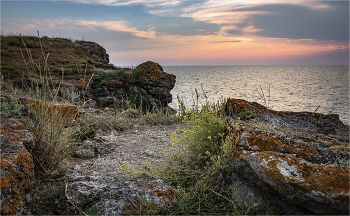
x=296 y=121
x=115 y=194
x=17 y=168
x=291 y=170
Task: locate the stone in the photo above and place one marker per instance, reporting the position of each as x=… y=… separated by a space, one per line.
x=286 y=167
x=157 y=82
x=17 y=167
x=96 y=51
x=113 y=85
x=114 y=194
x=321 y=124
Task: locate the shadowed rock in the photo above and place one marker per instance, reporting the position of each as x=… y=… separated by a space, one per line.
x=118 y=193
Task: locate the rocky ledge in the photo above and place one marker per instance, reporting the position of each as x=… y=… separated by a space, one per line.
x=285 y=169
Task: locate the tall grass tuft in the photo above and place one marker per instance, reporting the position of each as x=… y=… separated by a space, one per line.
x=53 y=124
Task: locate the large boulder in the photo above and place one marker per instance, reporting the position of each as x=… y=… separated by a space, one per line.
x=272 y=168
x=17 y=168
x=157 y=82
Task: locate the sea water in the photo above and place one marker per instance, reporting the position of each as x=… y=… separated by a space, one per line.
x=285 y=88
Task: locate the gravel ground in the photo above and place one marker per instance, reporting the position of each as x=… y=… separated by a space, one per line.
x=138 y=146
x=141 y=145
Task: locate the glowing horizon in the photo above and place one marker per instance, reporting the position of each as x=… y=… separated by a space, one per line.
x=209 y=32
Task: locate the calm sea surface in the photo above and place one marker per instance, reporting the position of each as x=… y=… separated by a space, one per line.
x=292 y=88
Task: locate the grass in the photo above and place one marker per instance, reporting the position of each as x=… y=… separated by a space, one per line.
x=64 y=54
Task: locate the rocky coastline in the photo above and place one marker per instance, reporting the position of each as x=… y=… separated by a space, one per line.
x=290 y=162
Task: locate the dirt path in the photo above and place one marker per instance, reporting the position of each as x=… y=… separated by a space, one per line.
x=142 y=145
x=138 y=146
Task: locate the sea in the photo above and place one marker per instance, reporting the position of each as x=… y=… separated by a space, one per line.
x=320 y=89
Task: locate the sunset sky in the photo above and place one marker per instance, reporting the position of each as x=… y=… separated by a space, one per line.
x=193 y=32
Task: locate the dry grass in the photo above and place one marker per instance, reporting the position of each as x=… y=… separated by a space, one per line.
x=64 y=53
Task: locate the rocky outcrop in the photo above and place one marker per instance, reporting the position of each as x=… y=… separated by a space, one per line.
x=157 y=82
x=152 y=90
x=325 y=125
x=17 y=168
x=96 y=51
x=274 y=168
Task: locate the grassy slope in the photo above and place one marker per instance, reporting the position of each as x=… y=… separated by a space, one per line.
x=63 y=53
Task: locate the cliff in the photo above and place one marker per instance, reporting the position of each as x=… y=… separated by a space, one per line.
x=81 y=67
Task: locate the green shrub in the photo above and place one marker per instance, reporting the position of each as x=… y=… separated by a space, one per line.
x=10 y=108
x=203 y=138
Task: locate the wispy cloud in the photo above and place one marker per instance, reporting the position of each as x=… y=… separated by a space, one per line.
x=120 y=26
x=150 y=3
x=70 y=24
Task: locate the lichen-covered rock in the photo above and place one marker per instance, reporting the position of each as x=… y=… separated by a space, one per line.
x=295 y=121
x=292 y=169
x=157 y=82
x=17 y=168
x=117 y=193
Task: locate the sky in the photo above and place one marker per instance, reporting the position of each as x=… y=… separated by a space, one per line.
x=193 y=32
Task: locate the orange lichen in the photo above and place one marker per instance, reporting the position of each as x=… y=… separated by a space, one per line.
x=108 y=109
x=150 y=71
x=319 y=178
x=276 y=151
x=19 y=166
x=80 y=83
x=113 y=81
x=260 y=140
x=116 y=197
x=335 y=143
x=167 y=194
x=136 y=182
